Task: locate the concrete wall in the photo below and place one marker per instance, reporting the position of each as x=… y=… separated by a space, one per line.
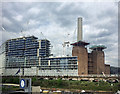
x=12 y=72
x=2 y=58
x=82 y=54
x=36 y=72
x=30 y=71
x=35 y=89
x=56 y=73
x=2 y=63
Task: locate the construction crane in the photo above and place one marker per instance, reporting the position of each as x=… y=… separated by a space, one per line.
x=73 y=35
x=3 y=29
x=65 y=43
x=43 y=35
x=23 y=29
x=6 y=32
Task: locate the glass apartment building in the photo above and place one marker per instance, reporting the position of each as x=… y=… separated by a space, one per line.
x=24 y=52
x=33 y=56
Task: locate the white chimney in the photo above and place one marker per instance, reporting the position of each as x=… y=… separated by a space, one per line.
x=79 y=31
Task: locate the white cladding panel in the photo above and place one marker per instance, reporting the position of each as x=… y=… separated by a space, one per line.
x=56 y=73
x=35 y=72
x=30 y=71
x=12 y=72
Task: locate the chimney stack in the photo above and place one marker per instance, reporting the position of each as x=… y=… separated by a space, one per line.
x=79 y=31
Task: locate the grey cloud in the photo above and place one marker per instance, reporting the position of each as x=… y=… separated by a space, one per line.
x=57 y=19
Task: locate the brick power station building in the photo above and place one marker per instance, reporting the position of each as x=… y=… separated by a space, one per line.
x=89 y=63
x=32 y=57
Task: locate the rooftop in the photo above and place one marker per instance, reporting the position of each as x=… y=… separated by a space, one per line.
x=98 y=47
x=23 y=37
x=79 y=43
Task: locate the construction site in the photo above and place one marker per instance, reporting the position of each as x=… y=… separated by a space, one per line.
x=29 y=56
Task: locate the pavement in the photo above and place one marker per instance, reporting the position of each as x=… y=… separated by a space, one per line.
x=8 y=84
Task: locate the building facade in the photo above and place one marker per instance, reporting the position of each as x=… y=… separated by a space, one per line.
x=32 y=57
x=96 y=61
x=90 y=63
x=81 y=52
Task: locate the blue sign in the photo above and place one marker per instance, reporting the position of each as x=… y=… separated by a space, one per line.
x=22 y=83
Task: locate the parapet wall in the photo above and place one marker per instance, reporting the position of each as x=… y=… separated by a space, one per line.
x=34 y=71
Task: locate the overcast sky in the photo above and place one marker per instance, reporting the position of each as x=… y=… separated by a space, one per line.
x=58 y=22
